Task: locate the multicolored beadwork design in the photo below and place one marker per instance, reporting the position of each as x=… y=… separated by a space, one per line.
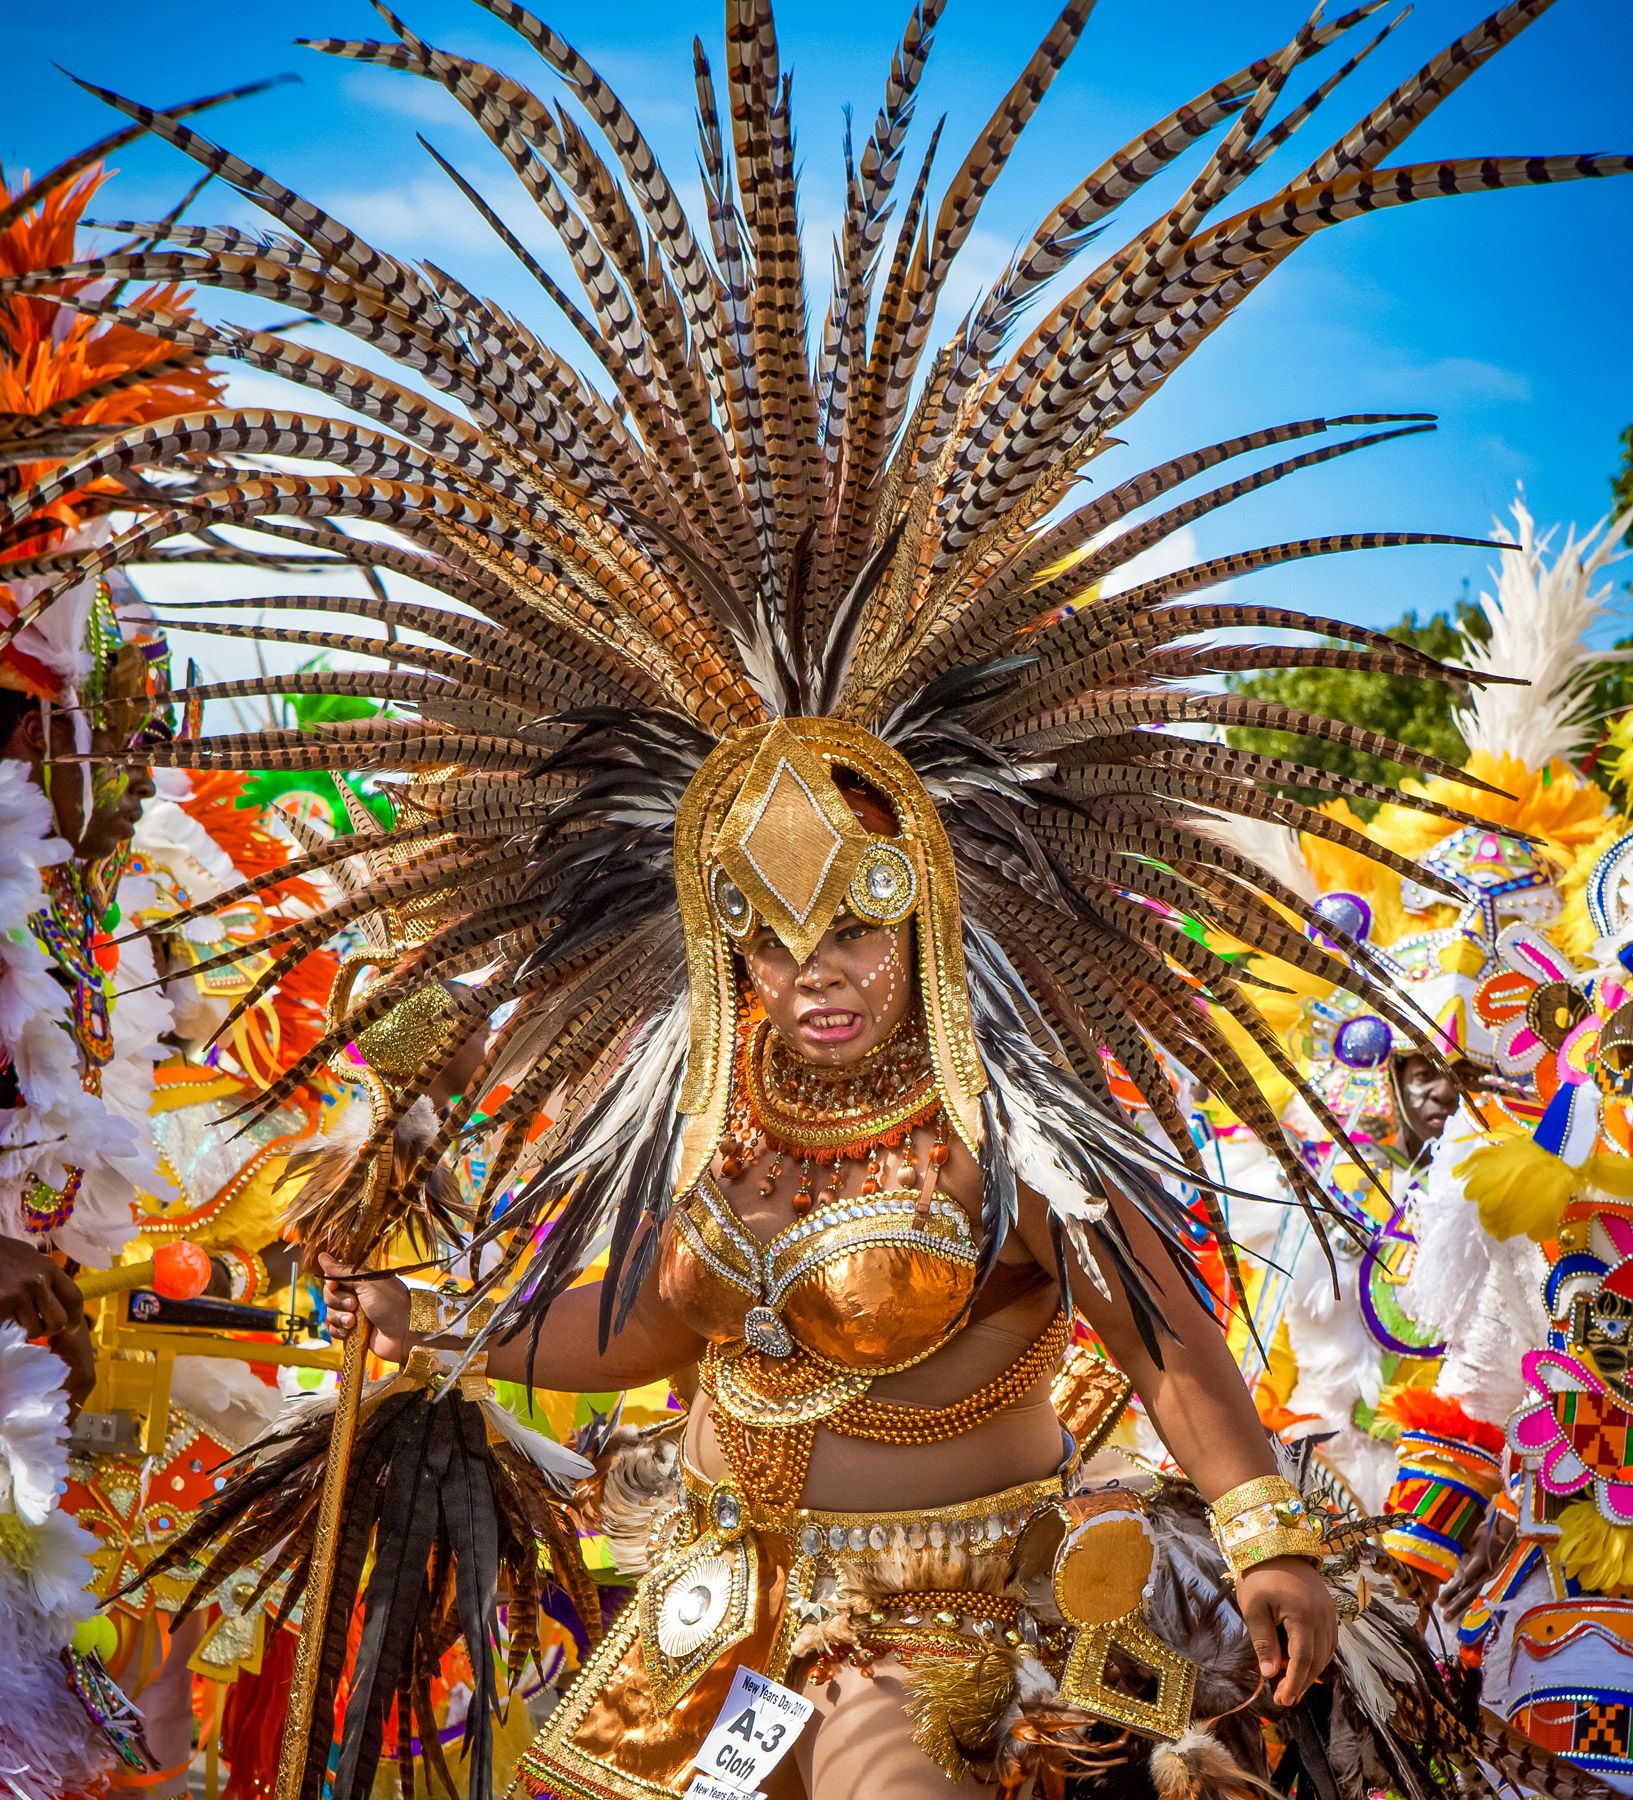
x=1441 y=1491
x=47 y=1208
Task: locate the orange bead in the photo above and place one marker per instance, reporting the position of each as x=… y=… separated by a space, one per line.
x=181 y=1271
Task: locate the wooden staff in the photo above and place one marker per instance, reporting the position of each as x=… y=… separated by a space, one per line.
x=342 y=1433
x=321 y=1571
x=362 y=1246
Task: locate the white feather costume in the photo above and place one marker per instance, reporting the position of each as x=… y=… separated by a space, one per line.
x=49 y=1745
x=57 y=1120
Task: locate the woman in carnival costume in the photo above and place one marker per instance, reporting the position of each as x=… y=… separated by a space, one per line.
x=771 y=637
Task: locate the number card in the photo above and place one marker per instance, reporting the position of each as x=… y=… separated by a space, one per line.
x=755 y=1730
x=705 y=1787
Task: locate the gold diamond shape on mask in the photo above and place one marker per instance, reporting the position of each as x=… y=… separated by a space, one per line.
x=790 y=842
x=791 y=845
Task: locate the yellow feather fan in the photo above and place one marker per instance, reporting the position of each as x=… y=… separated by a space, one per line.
x=1594 y=1551
x=1522 y=1190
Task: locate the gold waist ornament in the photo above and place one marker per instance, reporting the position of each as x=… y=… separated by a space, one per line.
x=767 y=1410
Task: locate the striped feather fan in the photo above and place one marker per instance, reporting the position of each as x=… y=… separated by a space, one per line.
x=720 y=528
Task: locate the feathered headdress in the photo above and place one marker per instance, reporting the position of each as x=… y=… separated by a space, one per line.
x=1539 y=621
x=632 y=578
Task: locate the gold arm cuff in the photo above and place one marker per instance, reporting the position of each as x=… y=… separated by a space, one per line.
x=1262 y=1490
x=1271 y=1544
x=438 y=1323
x=433 y=1312
x=1261 y=1519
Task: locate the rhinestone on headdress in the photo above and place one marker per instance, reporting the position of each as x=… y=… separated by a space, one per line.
x=885 y=887
x=731 y=903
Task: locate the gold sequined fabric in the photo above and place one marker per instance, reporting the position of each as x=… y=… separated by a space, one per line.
x=872 y=1283
x=610 y=1739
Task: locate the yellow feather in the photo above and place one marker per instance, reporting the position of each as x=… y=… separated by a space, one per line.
x=1595 y=1552
x=1555 y=804
x=1522 y=1190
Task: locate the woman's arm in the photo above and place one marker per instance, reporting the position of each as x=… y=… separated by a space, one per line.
x=653 y=1344
x=1201 y=1408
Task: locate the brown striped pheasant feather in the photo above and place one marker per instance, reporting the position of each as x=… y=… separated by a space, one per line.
x=720 y=527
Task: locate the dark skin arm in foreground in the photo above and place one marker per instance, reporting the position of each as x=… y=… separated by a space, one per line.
x=1195 y=1399
x=38 y=1296
x=1202 y=1411
x=653 y=1344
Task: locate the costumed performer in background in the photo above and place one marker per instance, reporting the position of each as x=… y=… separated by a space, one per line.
x=1476 y=1281
x=207 y=1257
x=1550 y=1629
x=764 y=635
x=80 y=1022
x=1357 y=1365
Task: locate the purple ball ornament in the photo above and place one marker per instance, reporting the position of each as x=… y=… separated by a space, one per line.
x=1363 y=1043
x=1348 y=913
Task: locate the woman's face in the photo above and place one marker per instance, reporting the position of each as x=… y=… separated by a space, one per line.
x=848 y=995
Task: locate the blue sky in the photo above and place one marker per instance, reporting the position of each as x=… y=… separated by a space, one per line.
x=1506 y=314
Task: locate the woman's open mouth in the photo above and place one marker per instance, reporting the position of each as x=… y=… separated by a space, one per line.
x=828 y=1028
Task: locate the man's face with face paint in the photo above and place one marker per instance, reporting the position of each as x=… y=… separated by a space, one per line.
x=1428 y=1098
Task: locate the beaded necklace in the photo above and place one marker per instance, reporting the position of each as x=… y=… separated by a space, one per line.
x=785 y=1107
x=66 y=928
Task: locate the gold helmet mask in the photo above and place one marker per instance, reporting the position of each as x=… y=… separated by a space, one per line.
x=765 y=837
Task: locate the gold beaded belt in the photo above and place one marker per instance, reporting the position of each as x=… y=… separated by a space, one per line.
x=767 y=1410
x=993 y=1521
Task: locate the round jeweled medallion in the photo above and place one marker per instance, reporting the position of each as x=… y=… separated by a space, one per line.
x=691 y=1611
x=764 y=1331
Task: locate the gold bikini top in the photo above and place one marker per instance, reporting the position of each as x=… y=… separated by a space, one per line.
x=799 y=1327
x=869 y=1284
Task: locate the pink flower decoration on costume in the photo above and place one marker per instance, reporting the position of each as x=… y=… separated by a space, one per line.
x=1575 y=1432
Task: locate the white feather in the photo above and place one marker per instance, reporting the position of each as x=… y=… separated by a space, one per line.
x=1275 y=848
x=1539 y=621
x=1480 y=1296
x=49 y=1744
x=564 y=1466
x=654 y=1064
x=33 y=1427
